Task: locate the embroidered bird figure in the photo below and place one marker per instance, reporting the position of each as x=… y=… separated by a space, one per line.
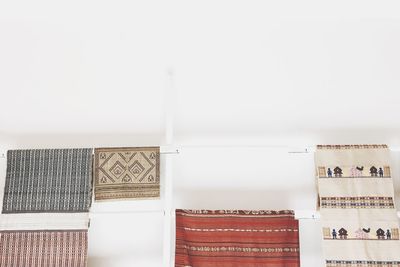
x=360 y=168
x=367 y=230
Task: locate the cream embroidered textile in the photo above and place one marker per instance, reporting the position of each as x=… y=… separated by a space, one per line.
x=356 y=200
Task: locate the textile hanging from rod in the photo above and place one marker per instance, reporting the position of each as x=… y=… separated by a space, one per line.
x=127 y=173
x=44 y=221
x=43 y=248
x=230 y=238
x=48 y=180
x=356 y=199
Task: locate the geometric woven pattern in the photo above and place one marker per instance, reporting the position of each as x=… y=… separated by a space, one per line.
x=363 y=263
x=127 y=173
x=48 y=180
x=358 y=216
x=361 y=171
x=236 y=238
x=357 y=202
x=43 y=249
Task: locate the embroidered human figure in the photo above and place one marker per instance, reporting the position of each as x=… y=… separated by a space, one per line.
x=334 y=234
x=329 y=172
x=388 y=234
x=380 y=172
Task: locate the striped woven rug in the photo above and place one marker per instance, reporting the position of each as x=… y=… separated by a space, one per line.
x=48 y=180
x=43 y=248
x=224 y=238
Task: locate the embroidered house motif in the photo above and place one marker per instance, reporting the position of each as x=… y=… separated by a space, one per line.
x=360 y=234
x=354 y=171
x=380 y=233
x=338 y=172
x=357 y=202
x=343 y=233
x=373 y=171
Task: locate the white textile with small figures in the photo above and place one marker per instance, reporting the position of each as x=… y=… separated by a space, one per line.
x=356 y=200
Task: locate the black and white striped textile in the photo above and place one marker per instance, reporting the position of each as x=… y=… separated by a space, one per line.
x=48 y=180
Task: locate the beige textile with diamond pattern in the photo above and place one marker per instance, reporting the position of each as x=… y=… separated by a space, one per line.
x=356 y=200
x=127 y=173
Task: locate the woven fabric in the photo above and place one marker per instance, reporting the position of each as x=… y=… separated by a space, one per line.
x=127 y=173
x=356 y=197
x=44 y=221
x=48 y=180
x=224 y=238
x=43 y=248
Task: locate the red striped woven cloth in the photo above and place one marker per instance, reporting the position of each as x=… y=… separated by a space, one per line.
x=43 y=248
x=227 y=238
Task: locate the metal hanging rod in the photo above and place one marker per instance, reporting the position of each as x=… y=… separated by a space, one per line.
x=290 y=149
x=142 y=211
x=299 y=215
x=176 y=151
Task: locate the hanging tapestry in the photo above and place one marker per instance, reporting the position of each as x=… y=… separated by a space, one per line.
x=44 y=221
x=43 y=248
x=48 y=180
x=356 y=197
x=236 y=238
x=127 y=173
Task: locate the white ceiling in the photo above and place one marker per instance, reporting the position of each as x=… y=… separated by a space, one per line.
x=240 y=67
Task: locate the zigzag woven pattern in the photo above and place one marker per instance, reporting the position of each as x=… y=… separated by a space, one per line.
x=48 y=180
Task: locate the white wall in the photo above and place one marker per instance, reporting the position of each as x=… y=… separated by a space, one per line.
x=284 y=73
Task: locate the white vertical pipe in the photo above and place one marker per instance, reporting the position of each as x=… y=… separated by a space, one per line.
x=168 y=242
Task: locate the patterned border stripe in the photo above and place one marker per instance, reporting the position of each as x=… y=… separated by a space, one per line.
x=48 y=180
x=337 y=263
x=237 y=212
x=241 y=249
x=340 y=172
x=357 y=202
x=344 y=147
x=360 y=233
x=239 y=230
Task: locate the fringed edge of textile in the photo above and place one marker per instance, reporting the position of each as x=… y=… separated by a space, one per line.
x=344 y=147
x=362 y=263
x=245 y=213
